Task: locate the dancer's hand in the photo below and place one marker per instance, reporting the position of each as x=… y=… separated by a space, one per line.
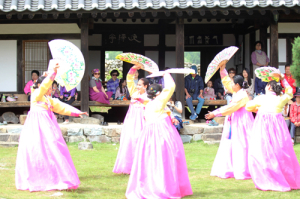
x=137 y=67
x=175 y=121
x=56 y=67
x=83 y=113
x=209 y=115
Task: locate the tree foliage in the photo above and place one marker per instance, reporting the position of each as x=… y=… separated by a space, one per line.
x=295 y=67
x=192 y=57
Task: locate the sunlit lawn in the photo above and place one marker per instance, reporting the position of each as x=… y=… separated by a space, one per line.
x=94 y=168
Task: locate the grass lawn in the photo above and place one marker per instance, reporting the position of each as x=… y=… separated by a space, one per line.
x=94 y=168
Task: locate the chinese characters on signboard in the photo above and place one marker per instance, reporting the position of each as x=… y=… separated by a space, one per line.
x=203 y=40
x=112 y=39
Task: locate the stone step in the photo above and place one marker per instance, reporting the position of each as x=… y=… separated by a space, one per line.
x=212 y=137
x=212 y=142
x=9 y=144
x=199 y=128
x=9 y=137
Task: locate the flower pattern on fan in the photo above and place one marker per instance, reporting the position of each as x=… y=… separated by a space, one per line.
x=265 y=73
x=133 y=58
x=221 y=58
x=71 y=74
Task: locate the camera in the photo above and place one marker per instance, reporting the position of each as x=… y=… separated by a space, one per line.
x=192 y=91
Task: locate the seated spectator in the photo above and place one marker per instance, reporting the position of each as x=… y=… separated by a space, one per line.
x=34 y=76
x=194 y=91
x=259 y=87
x=122 y=90
x=176 y=109
x=288 y=77
x=154 y=80
x=285 y=114
x=97 y=92
x=219 y=89
x=55 y=90
x=113 y=83
x=209 y=92
x=67 y=97
x=228 y=95
x=247 y=78
x=136 y=77
x=295 y=115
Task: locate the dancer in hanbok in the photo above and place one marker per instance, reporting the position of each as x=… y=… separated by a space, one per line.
x=159 y=169
x=232 y=158
x=133 y=123
x=43 y=161
x=272 y=160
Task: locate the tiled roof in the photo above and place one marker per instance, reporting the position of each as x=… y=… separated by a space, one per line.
x=88 y=5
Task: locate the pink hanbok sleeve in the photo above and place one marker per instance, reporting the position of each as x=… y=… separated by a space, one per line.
x=27 y=87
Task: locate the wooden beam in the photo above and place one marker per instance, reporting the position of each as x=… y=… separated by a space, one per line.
x=287 y=11
x=85 y=52
x=38 y=36
x=263 y=38
x=44 y=16
x=251 y=49
x=250 y=12
x=214 y=12
x=289 y=50
x=55 y=15
x=133 y=20
x=225 y=12
x=162 y=44
x=20 y=79
x=79 y=15
x=179 y=13
x=190 y=13
x=180 y=61
x=274 y=44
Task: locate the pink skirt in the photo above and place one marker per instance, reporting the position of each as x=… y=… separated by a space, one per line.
x=132 y=128
x=232 y=158
x=273 y=163
x=159 y=169
x=43 y=161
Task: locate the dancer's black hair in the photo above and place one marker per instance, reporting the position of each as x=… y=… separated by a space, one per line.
x=153 y=89
x=240 y=80
x=275 y=86
x=39 y=81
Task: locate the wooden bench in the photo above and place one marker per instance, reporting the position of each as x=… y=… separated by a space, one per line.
x=113 y=103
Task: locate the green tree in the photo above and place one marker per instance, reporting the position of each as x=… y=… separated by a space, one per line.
x=295 y=67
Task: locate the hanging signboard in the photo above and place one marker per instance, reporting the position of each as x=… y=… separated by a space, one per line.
x=123 y=39
x=203 y=39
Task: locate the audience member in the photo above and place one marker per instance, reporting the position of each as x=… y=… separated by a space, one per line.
x=228 y=94
x=219 y=89
x=194 y=91
x=247 y=78
x=113 y=83
x=55 y=90
x=136 y=77
x=67 y=97
x=258 y=57
x=176 y=108
x=122 y=90
x=209 y=92
x=295 y=115
x=34 y=76
x=97 y=92
x=289 y=79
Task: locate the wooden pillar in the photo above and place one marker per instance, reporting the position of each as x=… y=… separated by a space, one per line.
x=85 y=52
x=102 y=64
x=20 y=77
x=264 y=38
x=180 y=62
x=274 y=44
x=162 y=45
x=288 y=50
x=251 y=49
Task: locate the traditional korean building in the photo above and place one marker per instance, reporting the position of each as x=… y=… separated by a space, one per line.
x=160 y=29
